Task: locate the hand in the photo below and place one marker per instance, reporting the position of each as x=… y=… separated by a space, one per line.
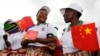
x=5 y=37
x=8 y=43
x=51 y=46
x=25 y=42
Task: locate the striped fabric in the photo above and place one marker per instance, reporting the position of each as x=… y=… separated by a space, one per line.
x=41 y=52
x=31 y=51
x=79 y=53
x=19 y=52
x=37 y=51
x=58 y=52
x=96 y=53
x=11 y=28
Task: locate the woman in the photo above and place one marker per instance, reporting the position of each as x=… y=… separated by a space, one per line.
x=13 y=38
x=46 y=32
x=71 y=15
x=2 y=43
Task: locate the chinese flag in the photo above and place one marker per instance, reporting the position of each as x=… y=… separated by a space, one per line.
x=21 y=25
x=25 y=23
x=28 y=21
x=31 y=35
x=85 y=37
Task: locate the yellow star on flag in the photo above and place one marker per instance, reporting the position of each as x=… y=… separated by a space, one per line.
x=88 y=30
x=85 y=37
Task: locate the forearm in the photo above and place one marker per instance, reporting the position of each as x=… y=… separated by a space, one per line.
x=46 y=40
x=59 y=46
x=7 y=43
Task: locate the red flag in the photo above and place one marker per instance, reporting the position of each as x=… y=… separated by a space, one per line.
x=21 y=25
x=32 y=35
x=28 y=21
x=85 y=37
x=25 y=23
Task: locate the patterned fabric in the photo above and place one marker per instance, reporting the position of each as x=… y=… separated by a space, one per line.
x=96 y=53
x=79 y=53
x=37 y=51
x=58 y=52
x=30 y=51
x=19 y=52
x=6 y=52
x=11 y=27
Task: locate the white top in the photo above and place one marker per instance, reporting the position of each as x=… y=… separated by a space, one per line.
x=67 y=43
x=44 y=29
x=98 y=35
x=15 y=39
x=1 y=39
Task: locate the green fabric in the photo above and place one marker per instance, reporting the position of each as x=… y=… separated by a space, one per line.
x=44 y=23
x=80 y=22
x=8 y=26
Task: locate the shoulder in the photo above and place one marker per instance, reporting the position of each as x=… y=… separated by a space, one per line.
x=30 y=28
x=2 y=32
x=49 y=25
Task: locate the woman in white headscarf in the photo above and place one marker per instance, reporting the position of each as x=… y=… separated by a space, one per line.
x=13 y=37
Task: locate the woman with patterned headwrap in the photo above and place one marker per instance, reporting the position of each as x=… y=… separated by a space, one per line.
x=11 y=27
x=13 y=38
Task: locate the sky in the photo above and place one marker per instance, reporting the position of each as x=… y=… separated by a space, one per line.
x=17 y=9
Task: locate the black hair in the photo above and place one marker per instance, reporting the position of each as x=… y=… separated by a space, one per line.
x=79 y=14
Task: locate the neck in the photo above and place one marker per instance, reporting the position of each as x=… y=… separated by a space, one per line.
x=38 y=23
x=74 y=22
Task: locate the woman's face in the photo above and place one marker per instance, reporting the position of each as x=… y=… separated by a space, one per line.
x=69 y=13
x=42 y=16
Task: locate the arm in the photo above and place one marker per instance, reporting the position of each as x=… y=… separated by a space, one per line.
x=6 y=41
x=51 y=36
x=46 y=40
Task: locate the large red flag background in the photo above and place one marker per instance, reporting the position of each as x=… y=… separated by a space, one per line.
x=85 y=37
